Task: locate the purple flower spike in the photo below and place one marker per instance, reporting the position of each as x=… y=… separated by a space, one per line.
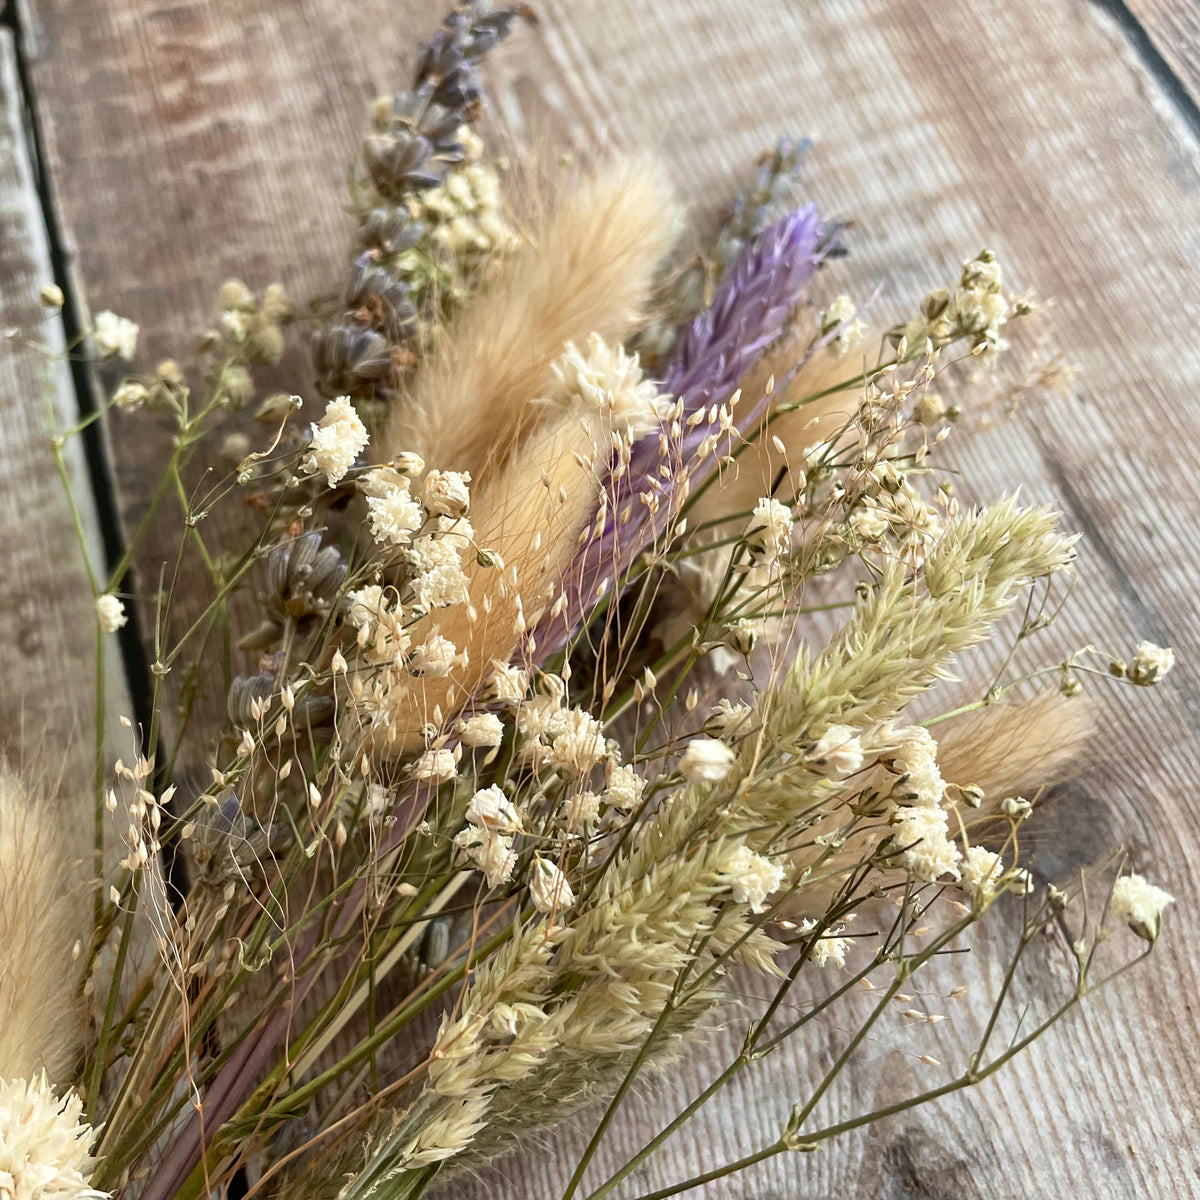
x=747 y=313
x=717 y=349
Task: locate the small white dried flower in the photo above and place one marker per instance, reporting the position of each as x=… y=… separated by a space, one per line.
x=130 y=395
x=829 y=949
x=110 y=612
x=869 y=522
x=491 y=809
x=408 y=462
x=769 y=533
x=842 y=312
x=51 y=295
x=337 y=440
x=435 y=657
x=729 y=718
x=981 y=871
x=394 y=515
x=578 y=743
x=742 y=635
x=548 y=887
x=441 y=587
x=581 y=808
x=484 y=730
x=508 y=684
x=752 y=877
x=706 y=760
x=625 y=788
x=496 y=858
x=837 y=753
x=435 y=765
x=606 y=380
x=113 y=336
x=1140 y=905
x=44 y=1143
x=915 y=760
x=1150 y=664
x=928 y=852
x=446 y=492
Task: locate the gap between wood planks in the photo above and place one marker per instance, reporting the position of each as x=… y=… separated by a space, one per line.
x=100 y=475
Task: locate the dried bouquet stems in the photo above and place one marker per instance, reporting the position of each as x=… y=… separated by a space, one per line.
x=542 y=750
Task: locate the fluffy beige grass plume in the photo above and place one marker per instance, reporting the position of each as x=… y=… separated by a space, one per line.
x=41 y=918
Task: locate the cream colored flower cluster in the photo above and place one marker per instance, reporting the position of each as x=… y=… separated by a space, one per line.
x=603 y=381
x=44 y=1143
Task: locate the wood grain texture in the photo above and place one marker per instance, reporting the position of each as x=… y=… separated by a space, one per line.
x=47 y=623
x=189 y=142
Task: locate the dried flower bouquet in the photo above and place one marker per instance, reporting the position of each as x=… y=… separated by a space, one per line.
x=608 y=617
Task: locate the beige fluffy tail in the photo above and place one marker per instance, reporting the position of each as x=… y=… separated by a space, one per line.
x=42 y=916
x=588 y=268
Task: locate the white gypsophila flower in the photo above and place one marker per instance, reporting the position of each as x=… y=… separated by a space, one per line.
x=435 y=765
x=869 y=522
x=578 y=743
x=367 y=604
x=508 y=684
x=446 y=492
x=581 y=808
x=829 y=949
x=491 y=809
x=981 y=871
x=837 y=753
x=538 y=716
x=408 y=462
x=1140 y=904
x=114 y=337
x=110 y=612
x=843 y=312
x=483 y=730
x=44 y=1143
x=624 y=789
x=752 y=877
x=435 y=657
x=492 y=852
x=1150 y=664
x=432 y=550
x=337 y=440
x=729 y=718
x=914 y=765
x=706 y=760
x=548 y=887
x=394 y=515
x=604 y=379
x=130 y=395
x=769 y=533
x=441 y=587
x=924 y=835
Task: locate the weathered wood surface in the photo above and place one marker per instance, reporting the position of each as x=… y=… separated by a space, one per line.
x=189 y=142
x=1172 y=30
x=47 y=623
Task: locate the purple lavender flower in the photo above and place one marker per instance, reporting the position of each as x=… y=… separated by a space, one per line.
x=717 y=348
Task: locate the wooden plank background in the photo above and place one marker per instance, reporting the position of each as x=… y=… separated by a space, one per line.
x=47 y=624
x=186 y=142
